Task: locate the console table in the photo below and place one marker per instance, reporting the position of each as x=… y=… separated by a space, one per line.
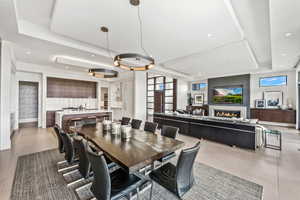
x=274 y=115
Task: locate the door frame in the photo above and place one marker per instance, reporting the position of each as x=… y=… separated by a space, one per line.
x=19 y=79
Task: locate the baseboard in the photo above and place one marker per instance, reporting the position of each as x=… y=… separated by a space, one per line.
x=277 y=124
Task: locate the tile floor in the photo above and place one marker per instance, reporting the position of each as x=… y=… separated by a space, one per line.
x=278 y=172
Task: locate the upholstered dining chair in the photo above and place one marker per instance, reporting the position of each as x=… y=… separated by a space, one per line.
x=178 y=179
x=125 y=120
x=170 y=132
x=136 y=123
x=150 y=127
x=59 y=139
x=84 y=163
x=69 y=151
x=115 y=185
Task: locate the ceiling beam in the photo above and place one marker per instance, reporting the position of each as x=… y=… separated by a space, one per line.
x=241 y=30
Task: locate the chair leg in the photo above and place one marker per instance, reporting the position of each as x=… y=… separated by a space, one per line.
x=67 y=168
x=74 y=182
x=151 y=190
x=84 y=186
x=137 y=193
x=62 y=162
x=70 y=172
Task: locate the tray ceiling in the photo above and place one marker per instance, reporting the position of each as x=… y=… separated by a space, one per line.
x=196 y=38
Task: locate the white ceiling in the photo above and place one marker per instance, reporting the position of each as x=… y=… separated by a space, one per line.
x=284 y=19
x=171 y=29
x=194 y=39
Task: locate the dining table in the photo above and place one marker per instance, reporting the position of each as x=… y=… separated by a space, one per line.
x=142 y=149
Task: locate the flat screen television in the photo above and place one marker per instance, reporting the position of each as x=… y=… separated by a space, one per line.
x=228 y=95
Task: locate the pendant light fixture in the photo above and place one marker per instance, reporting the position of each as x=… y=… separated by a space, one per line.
x=101 y=72
x=135 y=61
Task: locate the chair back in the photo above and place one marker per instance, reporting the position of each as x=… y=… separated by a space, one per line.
x=84 y=163
x=69 y=147
x=125 y=121
x=150 y=127
x=136 y=124
x=184 y=169
x=101 y=186
x=59 y=139
x=169 y=131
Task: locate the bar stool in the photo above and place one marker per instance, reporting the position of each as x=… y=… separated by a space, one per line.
x=75 y=122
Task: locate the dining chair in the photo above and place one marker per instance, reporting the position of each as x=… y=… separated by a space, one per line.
x=150 y=127
x=84 y=163
x=115 y=185
x=136 y=123
x=178 y=179
x=59 y=139
x=69 y=151
x=170 y=132
x=125 y=120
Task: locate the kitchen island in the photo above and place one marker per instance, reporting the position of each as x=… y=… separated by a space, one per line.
x=240 y=133
x=66 y=118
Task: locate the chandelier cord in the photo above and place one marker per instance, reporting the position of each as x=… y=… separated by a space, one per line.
x=141 y=32
x=107 y=46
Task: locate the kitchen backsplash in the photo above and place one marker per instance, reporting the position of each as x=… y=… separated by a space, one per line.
x=59 y=103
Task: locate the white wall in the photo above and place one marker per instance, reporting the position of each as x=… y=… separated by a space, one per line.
x=289 y=91
x=140 y=92
x=182 y=89
x=7 y=63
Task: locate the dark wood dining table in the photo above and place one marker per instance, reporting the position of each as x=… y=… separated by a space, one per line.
x=142 y=149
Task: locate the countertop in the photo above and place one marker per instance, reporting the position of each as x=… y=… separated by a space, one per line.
x=59 y=114
x=85 y=111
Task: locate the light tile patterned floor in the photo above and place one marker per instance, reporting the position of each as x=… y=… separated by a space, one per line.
x=278 y=172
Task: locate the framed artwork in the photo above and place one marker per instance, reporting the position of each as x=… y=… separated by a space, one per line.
x=199 y=99
x=260 y=103
x=273 y=99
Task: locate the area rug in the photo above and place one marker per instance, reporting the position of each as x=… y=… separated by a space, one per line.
x=36 y=178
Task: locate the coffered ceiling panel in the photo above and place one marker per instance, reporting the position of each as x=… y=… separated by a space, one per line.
x=35 y=11
x=254 y=18
x=172 y=29
x=220 y=61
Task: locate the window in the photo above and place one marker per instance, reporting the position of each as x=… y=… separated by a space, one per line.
x=167 y=85
x=198 y=86
x=273 y=81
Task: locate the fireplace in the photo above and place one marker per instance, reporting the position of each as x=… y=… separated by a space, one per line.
x=228 y=113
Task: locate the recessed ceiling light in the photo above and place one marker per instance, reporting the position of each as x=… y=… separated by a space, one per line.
x=28 y=52
x=288 y=34
x=209 y=35
x=93 y=55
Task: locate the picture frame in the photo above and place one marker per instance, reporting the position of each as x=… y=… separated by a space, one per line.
x=260 y=103
x=273 y=99
x=199 y=98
